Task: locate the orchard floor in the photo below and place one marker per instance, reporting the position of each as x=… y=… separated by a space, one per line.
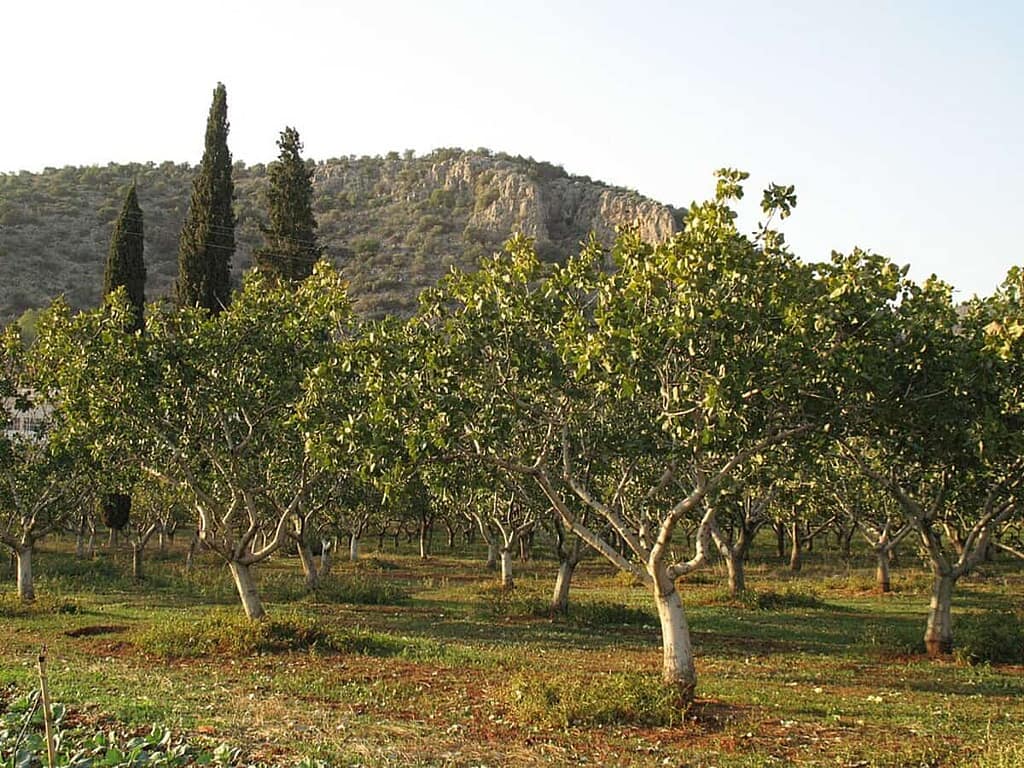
x=819 y=671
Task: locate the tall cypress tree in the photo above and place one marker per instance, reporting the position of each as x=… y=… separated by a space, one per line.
x=207 y=240
x=125 y=265
x=290 y=246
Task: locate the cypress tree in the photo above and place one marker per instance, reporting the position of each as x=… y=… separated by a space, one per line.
x=125 y=265
x=290 y=247
x=207 y=240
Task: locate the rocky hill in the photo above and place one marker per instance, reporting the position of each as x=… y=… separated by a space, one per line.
x=393 y=224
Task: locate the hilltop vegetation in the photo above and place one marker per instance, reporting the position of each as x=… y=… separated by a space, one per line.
x=393 y=224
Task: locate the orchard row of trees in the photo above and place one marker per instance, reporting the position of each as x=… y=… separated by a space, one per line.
x=637 y=399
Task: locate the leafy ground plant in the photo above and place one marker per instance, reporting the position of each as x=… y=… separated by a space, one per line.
x=23 y=742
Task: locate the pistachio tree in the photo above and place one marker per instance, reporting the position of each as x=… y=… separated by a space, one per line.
x=42 y=481
x=640 y=389
x=207 y=404
x=941 y=432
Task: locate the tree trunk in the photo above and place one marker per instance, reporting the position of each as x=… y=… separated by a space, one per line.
x=780 y=539
x=845 y=542
x=80 y=545
x=90 y=546
x=353 y=547
x=161 y=541
x=506 y=569
x=247 y=591
x=327 y=557
x=882 y=579
x=737 y=574
x=112 y=538
x=678 y=669
x=938 y=636
x=560 y=597
x=310 y=573
x=191 y=556
x=424 y=539
x=492 y=557
x=525 y=546
x=451 y=535
x=26 y=589
x=795 y=556
x=137 y=572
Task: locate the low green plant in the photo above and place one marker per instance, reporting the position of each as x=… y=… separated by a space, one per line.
x=608 y=614
x=995 y=637
x=617 y=698
x=770 y=600
x=22 y=739
x=494 y=601
x=11 y=606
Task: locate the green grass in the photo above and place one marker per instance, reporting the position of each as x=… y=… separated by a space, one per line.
x=398 y=661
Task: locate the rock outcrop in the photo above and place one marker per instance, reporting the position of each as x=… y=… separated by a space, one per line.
x=394 y=224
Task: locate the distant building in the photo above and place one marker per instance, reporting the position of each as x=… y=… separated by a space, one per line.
x=27 y=416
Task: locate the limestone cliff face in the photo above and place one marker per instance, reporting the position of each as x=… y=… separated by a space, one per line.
x=394 y=224
x=418 y=216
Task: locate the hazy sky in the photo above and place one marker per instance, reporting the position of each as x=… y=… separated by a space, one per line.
x=900 y=123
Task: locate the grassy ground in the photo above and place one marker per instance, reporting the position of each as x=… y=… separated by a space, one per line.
x=446 y=671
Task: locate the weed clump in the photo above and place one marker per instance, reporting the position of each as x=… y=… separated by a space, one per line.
x=231 y=634
x=13 y=607
x=607 y=614
x=996 y=637
x=493 y=601
x=770 y=600
x=617 y=698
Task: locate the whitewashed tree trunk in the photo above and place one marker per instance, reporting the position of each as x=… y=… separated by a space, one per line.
x=938 y=635
x=506 y=569
x=492 y=556
x=26 y=588
x=560 y=596
x=90 y=546
x=353 y=547
x=247 y=591
x=326 y=557
x=678 y=668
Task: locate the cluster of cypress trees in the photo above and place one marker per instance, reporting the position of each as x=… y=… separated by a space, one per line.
x=207 y=242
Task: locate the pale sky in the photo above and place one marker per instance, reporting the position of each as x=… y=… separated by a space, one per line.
x=900 y=123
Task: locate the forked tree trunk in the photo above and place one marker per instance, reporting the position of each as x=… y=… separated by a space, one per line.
x=506 y=569
x=26 y=589
x=678 y=668
x=938 y=636
x=560 y=596
x=247 y=591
